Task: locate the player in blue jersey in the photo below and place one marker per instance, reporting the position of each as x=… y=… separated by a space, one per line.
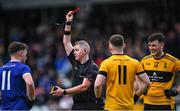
x=16 y=83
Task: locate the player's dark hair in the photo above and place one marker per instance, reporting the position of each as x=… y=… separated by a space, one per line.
x=117 y=40
x=156 y=36
x=16 y=46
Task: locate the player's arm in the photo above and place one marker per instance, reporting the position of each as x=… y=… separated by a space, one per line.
x=136 y=84
x=144 y=83
x=77 y=89
x=142 y=79
x=98 y=85
x=178 y=89
x=30 y=86
x=100 y=80
x=175 y=91
x=177 y=70
x=178 y=84
x=177 y=79
x=67 y=33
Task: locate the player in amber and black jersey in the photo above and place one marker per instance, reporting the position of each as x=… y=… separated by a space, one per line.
x=161 y=68
x=119 y=72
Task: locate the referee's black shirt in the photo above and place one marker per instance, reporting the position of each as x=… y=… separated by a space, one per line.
x=87 y=70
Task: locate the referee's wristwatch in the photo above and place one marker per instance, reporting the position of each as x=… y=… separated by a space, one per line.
x=64 y=92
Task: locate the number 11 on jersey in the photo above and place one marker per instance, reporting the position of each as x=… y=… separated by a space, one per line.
x=6 y=74
x=122 y=71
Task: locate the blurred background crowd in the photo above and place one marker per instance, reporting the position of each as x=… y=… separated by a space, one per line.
x=33 y=22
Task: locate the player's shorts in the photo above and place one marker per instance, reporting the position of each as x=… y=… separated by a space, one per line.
x=159 y=107
x=18 y=104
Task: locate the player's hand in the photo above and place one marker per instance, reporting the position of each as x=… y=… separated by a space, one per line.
x=169 y=93
x=30 y=103
x=136 y=97
x=58 y=92
x=100 y=102
x=69 y=16
x=145 y=92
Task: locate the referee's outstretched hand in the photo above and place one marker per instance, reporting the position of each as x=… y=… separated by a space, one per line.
x=69 y=16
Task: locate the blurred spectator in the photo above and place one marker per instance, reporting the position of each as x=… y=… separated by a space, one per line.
x=3 y=57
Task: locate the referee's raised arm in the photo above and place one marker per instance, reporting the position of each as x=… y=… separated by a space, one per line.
x=67 y=33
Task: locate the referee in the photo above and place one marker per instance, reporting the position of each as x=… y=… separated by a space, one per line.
x=84 y=69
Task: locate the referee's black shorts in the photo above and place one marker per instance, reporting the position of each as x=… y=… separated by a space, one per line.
x=86 y=106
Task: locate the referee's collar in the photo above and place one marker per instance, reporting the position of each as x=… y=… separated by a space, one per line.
x=88 y=61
